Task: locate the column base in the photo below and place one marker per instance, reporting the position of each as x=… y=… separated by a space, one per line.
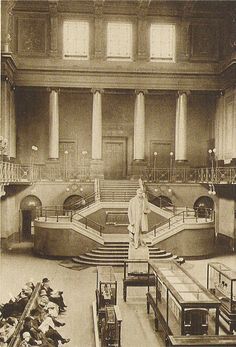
x=138 y=168
x=97 y=168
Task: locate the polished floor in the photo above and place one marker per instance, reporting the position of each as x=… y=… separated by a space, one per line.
x=79 y=286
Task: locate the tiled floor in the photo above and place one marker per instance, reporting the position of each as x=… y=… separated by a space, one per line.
x=79 y=287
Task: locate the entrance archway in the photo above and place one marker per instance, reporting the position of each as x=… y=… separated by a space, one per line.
x=204 y=205
x=73 y=202
x=28 y=207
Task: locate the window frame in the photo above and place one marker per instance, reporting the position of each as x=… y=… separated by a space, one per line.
x=163 y=59
x=120 y=58
x=75 y=56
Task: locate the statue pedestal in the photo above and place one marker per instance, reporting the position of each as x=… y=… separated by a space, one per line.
x=141 y=253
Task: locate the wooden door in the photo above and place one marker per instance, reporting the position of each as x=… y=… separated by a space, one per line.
x=26 y=224
x=163 y=150
x=114 y=156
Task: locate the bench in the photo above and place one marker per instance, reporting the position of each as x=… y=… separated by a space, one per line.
x=16 y=339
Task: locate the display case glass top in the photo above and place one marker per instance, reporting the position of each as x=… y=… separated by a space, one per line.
x=184 y=288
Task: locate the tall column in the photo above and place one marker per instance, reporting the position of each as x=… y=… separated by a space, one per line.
x=181 y=128
x=139 y=126
x=5 y=114
x=97 y=164
x=53 y=125
x=12 y=141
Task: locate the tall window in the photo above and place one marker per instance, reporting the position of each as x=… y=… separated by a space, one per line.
x=119 y=41
x=162 y=42
x=76 y=40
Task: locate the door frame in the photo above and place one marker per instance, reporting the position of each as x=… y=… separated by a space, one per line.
x=117 y=139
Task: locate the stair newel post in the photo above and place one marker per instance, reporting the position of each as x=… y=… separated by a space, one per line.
x=86 y=223
x=169 y=222
x=183 y=216
x=71 y=215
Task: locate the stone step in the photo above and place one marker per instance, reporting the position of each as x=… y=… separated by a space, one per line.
x=119 y=254
x=107 y=263
x=97 y=251
x=88 y=257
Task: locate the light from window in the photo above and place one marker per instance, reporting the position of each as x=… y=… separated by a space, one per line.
x=162 y=42
x=119 y=41
x=76 y=40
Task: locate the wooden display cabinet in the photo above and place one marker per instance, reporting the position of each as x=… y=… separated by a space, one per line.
x=221 y=282
x=106 y=291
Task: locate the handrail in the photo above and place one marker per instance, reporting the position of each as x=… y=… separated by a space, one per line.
x=87 y=221
x=208 y=214
x=84 y=201
x=65 y=208
x=161 y=199
x=45 y=212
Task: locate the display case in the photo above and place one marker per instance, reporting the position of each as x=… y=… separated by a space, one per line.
x=111 y=327
x=221 y=281
x=106 y=291
x=180 y=303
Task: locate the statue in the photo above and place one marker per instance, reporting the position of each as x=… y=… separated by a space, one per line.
x=137 y=213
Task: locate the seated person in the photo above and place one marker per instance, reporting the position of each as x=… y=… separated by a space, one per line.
x=48 y=328
x=54 y=296
x=7 y=330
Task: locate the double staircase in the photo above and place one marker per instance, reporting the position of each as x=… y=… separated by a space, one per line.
x=115 y=253
x=115 y=190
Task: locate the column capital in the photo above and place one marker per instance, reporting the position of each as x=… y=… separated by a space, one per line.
x=181 y=92
x=53 y=7
x=55 y=89
x=143 y=91
x=95 y=90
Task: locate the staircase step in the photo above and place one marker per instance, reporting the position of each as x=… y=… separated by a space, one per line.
x=93 y=262
x=98 y=251
x=88 y=257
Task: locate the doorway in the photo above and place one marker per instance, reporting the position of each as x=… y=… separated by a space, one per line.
x=115 y=157
x=28 y=207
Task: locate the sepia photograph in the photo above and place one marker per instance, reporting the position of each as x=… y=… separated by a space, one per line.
x=118 y=173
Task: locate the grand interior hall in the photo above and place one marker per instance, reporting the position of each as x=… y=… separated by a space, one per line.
x=102 y=100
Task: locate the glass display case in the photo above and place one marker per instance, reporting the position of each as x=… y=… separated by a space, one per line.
x=111 y=327
x=180 y=303
x=221 y=281
x=106 y=291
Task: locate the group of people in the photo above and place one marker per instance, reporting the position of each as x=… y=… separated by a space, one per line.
x=40 y=326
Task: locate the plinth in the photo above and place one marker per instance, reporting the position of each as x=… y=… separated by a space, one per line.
x=141 y=253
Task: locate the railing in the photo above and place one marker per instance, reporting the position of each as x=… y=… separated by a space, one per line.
x=189 y=214
x=10 y=173
x=190 y=175
x=82 y=203
x=59 y=214
x=58 y=173
x=162 y=202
